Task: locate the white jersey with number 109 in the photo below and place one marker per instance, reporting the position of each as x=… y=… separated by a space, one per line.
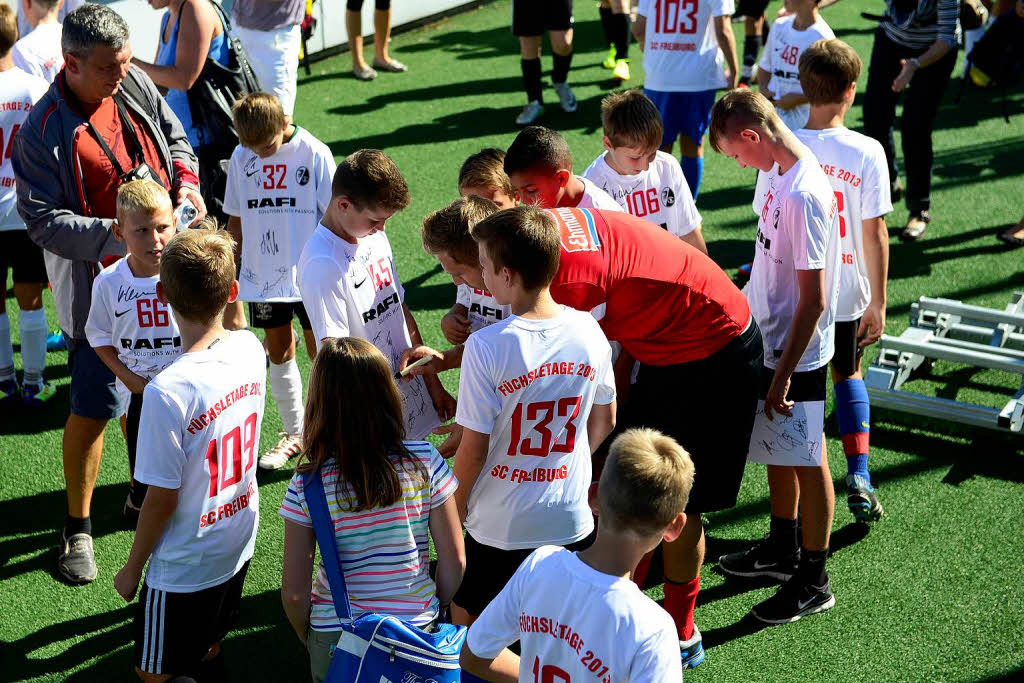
x=200 y=434
x=530 y=385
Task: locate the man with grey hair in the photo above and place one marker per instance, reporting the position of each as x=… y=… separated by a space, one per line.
x=101 y=123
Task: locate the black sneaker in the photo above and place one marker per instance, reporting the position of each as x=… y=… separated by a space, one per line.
x=76 y=561
x=794 y=600
x=861 y=499
x=760 y=560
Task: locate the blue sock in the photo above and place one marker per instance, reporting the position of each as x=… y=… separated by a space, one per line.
x=693 y=171
x=854 y=413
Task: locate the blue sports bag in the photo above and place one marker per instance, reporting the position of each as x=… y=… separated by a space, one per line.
x=378 y=648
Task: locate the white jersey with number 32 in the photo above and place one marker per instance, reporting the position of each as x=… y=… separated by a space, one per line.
x=200 y=434
x=530 y=385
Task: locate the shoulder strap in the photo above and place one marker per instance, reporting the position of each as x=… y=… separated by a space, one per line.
x=316 y=501
x=106 y=149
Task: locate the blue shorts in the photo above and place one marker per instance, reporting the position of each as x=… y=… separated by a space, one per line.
x=683 y=113
x=93 y=392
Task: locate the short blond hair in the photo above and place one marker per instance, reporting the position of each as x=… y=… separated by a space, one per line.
x=827 y=68
x=646 y=482
x=524 y=239
x=739 y=109
x=486 y=168
x=197 y=270
x=258 y=117
x=448 y=230
x=141 y=196
x=630 y=119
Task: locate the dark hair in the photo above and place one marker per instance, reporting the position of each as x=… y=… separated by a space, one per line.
x=354 y=417
x=538 y=147
x=90 y=25
x=827 y=68
x=370 y=178
x=524 y=239
x=448 y=229
x=630 y=119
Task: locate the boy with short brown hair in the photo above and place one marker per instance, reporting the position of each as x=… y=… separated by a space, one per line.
x=539 y=164
x=645 y=181
x=639 y=503
x=445 y=236
x=200 y=431
x=278 y=187
x=793 y=291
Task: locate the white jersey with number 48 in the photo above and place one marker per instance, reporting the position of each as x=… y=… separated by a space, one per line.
x=530 y=385
x=856 y=168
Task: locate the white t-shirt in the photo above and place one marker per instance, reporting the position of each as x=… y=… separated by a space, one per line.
x=596 y=198
x=797 y=229
x=39 y=53
x=482 y=307
x=126 y=314
x=200 y=433
x=781 y=58
x=575 y=623
x=18 y=92
x=681 y=53
x=659 y=195
x=280 y=200
x=353 y=290
x=530 y=385
x=856 y=168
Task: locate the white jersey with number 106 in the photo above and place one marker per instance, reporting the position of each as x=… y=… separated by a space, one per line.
x=530 y=385
x=200 y=434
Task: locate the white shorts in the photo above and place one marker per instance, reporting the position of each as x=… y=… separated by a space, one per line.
x=275 y=59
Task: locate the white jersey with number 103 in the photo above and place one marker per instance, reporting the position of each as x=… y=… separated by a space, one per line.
x=200 y=434
x=19 y=91
x=530 y=385
x=681 y=52
x=856 y=168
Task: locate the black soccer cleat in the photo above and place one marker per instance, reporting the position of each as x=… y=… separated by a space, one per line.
x=794 y=600
x=762 y=560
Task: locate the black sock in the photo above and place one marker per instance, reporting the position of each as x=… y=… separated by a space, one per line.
x=812 y=566
x=77 y=525
x=620 y=35
x=606 y=26
x=784 y=535
x=560 y=70
x=137 y=492
x=751 y=46
x=531 y=79
x=213 y=670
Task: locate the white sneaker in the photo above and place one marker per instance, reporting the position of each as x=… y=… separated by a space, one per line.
x=530 y=113
x=287 y=447
x=566 y=97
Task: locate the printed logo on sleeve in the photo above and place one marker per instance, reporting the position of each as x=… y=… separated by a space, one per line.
x=577 y=229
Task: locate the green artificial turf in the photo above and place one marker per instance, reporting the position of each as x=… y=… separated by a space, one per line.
x=932 y=592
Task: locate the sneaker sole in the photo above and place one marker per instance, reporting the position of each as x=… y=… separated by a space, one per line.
x=780 y=576
x=827 y=605
x=694 y=661
x=76 y=580
x=865 y=513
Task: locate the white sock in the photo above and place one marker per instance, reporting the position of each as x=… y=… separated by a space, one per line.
x=970 y=38
x=32 y=328
x=286 y=387
x=6 y=349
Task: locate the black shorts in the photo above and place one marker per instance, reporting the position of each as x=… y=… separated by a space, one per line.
x=265 y=315
x=23 y=256
x=534 y=17
x=174 y=631
x=803 y=386
x=753 y=9
x=488 y=569
x=846 y=360
x=707 y=406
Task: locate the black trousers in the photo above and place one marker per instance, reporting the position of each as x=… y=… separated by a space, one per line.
x=920 y=106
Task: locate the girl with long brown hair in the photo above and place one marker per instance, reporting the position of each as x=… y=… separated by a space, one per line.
x=384 y=494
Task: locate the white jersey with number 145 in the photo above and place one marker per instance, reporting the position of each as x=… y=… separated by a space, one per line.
x=530 y=385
